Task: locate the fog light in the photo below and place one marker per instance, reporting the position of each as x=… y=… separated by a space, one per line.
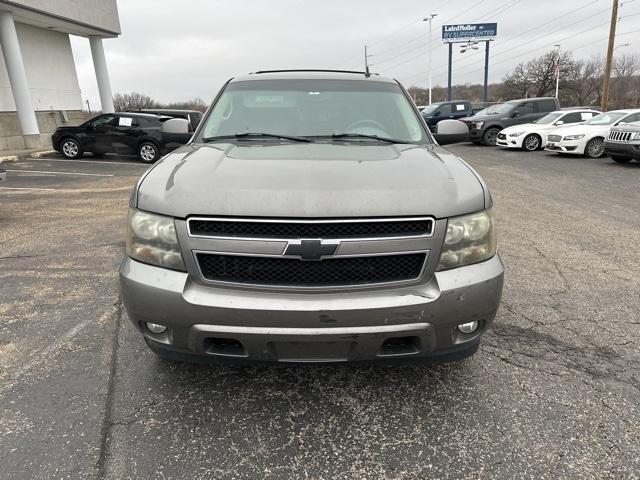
x=468 y=327
x=156 y=328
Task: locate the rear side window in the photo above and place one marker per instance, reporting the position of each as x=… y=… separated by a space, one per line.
x=461 y=107
x=148 y=122
x=445 y=108
x=526 y=108
x=575 y=117
x=546 y=105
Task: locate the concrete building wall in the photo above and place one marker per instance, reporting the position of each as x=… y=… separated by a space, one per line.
x=50 y=69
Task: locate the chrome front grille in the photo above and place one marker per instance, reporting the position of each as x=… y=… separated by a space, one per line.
x=554 y=138
x=294 y=253
x=615 y=136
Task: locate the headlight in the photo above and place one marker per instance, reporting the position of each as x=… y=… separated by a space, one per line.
x=573 y=137
x=152 y=239
x=515 y=134
x=469 y=239
x=635 y=136
x=478 y=125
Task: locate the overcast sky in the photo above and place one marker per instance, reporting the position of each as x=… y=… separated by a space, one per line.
x=176 y=50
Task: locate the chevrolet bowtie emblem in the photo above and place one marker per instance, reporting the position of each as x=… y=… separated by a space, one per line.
x=310 y=249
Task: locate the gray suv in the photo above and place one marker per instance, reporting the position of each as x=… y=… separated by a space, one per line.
x=485 y=126
x=312 y=218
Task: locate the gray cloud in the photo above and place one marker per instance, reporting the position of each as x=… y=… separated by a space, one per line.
x=178 y=50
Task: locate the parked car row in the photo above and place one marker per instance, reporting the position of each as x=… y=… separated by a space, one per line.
x=125 y=133
x=539 y=123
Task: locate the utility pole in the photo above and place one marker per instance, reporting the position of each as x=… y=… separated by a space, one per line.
x=557 y=69
x=607 y=68
x=429 y=18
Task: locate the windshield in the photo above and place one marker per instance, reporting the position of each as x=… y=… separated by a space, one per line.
x=606 y=118
x=430 y=109
x=549 y=118
x=498 y=109
x=313 y=108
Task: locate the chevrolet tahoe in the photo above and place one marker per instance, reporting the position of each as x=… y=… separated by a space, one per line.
x=312 y=217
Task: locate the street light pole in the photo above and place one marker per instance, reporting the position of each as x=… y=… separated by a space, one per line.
x=429 y=18
x=557 y=69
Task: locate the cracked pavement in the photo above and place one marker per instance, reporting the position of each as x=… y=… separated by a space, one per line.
x=553 y=392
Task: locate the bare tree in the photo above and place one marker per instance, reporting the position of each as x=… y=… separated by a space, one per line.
x=132 y=101
x=625 y=84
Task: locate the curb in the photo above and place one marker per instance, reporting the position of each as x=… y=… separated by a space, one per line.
x=41 y=154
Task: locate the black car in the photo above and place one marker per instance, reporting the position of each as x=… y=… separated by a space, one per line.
x=485 y=126
x=436 y=112
x=123 y=133
x=193 y=116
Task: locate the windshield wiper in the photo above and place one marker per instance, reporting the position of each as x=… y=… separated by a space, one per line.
x=250 y=135
x=373 y=137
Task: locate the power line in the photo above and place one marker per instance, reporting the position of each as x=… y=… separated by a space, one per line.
x=529 y=42
x=463 y=71
x=543 y=24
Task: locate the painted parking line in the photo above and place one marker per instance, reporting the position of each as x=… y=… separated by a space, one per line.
x=26 y=188
x=99 y=162
x=62 y=173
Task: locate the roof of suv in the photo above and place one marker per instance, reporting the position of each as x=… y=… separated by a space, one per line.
x=311 y=75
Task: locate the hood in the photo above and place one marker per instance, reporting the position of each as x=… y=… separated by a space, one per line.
x=480 y=118
x=584 y=129
x=627 y=127
x=310 y=181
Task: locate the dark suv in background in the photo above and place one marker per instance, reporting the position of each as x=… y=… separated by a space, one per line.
x=437 y=112
x=122 y=133
x=485 y=126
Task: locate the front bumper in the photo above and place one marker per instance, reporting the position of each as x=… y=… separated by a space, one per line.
x=566 y=146
x=510 y=142
x=476 y=134
x=628 y=150
x=418 y=321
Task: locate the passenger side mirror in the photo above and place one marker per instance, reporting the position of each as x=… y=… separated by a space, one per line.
x=451 y=131
x=175 y=125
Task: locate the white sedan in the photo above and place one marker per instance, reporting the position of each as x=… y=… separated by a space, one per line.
x=533 y=136
x=588 y=138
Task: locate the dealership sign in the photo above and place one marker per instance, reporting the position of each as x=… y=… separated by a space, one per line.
x=469 y=32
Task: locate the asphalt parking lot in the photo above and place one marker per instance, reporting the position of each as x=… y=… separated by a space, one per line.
x=554 y=391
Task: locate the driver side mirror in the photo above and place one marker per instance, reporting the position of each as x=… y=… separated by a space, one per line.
x=437 y=113
x=559 y=122
x=451 y=131
x=175 y=125
x=515 y=114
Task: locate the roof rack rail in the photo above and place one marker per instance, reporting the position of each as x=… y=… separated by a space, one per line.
x=310 y=70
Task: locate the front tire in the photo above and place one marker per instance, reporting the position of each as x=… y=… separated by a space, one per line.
x=70 y=148
x=490 y=136
x=619 y=159
x=532 y=142
x=148 y=152
x=594 y=148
